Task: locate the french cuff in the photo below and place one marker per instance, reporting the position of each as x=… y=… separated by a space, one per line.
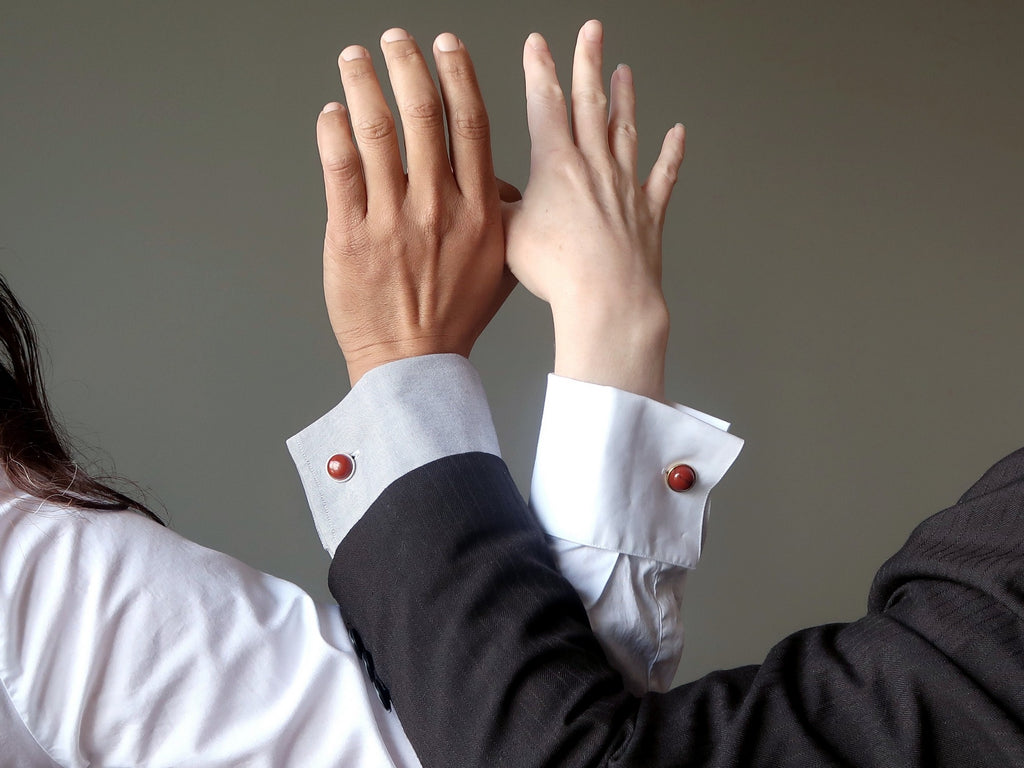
x=603 y=457
x=397 y=418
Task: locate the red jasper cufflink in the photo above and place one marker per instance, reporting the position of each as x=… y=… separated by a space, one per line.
x=680 y=477
x=341 y=466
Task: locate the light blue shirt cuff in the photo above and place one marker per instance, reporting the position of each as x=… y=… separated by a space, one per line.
x=397 y=418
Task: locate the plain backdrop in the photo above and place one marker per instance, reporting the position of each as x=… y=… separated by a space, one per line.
x=843 y=260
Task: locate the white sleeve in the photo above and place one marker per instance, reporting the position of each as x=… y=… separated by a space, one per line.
x=123 y=644
x=620 y=534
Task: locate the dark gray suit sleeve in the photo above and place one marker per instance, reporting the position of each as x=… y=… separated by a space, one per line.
x=451 y=590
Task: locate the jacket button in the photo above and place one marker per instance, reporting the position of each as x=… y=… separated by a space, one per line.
x=680 y=477
x=341 y=466
x=371 y=670
x=357 y=642
x=383 y=693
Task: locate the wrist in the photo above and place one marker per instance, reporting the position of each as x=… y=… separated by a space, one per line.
x=621 y=347
x=361 y=362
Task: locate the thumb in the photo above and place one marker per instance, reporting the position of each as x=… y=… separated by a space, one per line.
x=508 y=193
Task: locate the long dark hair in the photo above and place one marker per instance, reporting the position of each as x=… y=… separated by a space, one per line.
x=33 y=448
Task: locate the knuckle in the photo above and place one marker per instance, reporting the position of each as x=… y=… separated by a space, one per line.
x=486 y=220
x=625 y=130
x=459 y=71
x=425 y=113
x=590 y=97
x=358 y=71
x=551 y=94
x=569 y=164
x=344 y=165
x=471 y=124
x=402 y=51
x=344 y=240
x=434 y=216
x=375 y=128
x=670 y=172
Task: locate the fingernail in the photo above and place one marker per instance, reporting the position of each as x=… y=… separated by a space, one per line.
x=593 y=30
x=447 y=42
x=625 y=73
x=332 y=107
x=537 y=42
x=354 y=52
x=395 y=34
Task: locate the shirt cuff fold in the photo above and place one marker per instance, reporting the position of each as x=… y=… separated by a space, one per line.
x=397 y=418
x=602 y=458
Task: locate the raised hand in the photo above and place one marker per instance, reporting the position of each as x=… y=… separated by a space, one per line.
x=587 y=235
x=413 y=263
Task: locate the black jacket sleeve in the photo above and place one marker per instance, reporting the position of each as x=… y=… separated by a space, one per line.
x=486 y=650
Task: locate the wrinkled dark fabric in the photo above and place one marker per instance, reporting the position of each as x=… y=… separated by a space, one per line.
x=490 y=660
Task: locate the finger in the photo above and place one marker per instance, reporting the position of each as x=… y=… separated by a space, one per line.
x=469 y=130
x=343 y=173
x=508 y=193
x=666 y=169
x=589 y=103
x=419 y=106
x=545 y=102
x=373 y=125
x=622 y=137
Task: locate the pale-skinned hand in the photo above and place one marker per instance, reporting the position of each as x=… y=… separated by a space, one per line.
x=413 y=262
x=586 y=237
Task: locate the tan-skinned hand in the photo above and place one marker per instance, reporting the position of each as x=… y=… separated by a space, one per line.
x=413 y=263
x=587 y=235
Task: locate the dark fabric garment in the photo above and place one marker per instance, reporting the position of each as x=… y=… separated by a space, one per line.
x=491 y=662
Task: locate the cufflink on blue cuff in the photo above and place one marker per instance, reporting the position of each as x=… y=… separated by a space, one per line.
x=341 y=467
x=680 y=477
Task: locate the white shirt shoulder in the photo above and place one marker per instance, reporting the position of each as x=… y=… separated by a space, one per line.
x=124 y=644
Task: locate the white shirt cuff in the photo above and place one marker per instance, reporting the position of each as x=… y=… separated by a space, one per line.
x=602 y=457
x=397 y=418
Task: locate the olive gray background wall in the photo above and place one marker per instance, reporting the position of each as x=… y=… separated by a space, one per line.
x=842 y=259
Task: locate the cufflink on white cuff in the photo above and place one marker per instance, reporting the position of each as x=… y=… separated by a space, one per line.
x=680 y=477
x=341 y=467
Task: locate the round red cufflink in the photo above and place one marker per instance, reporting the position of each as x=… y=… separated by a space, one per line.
x=341 y=466
x=680 y=477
